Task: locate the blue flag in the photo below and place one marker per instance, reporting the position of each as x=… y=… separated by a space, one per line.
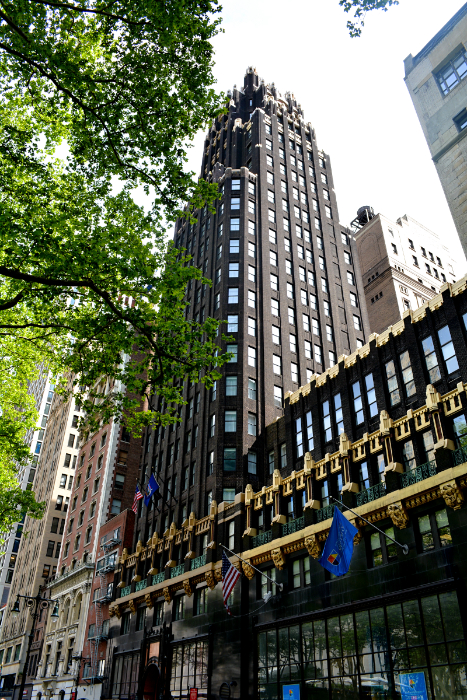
x=338 y=548
x=151 y=489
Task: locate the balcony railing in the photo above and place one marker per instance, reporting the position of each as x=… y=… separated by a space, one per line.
x=198 y=561
x=141 y=584
x=293 y=526
x=423 y=471
x=125 y=591
x=262 y=538
x=459 y=456
x=158 y=578
x=177 y=570
x=371 y=494
x=326 y=512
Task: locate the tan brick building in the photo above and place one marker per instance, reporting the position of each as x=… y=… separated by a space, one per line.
x=403 y=264
x=435 y=78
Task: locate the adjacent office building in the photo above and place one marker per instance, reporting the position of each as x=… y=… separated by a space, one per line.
x=435 y=78
x=403 y=265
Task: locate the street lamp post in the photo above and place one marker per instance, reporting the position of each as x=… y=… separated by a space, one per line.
x=35 y=604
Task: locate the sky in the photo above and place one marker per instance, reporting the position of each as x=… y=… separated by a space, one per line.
x=353 y=93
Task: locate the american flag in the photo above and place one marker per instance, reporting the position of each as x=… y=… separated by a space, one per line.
x=230 y=576
x=138 y=496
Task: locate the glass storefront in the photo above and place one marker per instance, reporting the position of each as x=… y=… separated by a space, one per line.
x=189 y=669
x=362 y=654
x=125 y=677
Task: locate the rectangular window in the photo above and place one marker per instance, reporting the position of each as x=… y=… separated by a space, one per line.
x=233 y=350
x=318 y=355
x=294 y=372
x=234 y=246
x=230 y=421
x=291 y=315
x=276 y=364
x=251 y=462
x=251 y=326
x=235 y=224
x=371 y=395
x=357 y=324
x=271 y=464
x=232 y=324
x=273 y=258
x=301 y=252
x=288 y=271
x=212 y=425
x=447 y=348
x=452 y=74
x=234 y=269
x=338 y=415
x=276 y=335
x=272 y=216
x=393 y=387
x=431 y=360
x=275 y=306
x=299 y=437
x=252 y=389
x=233 y=295
x=252 y=356
x=307 y=349
x=274 y=283
x=251 y=250
x=293 y=342
x=357 y=403
x=283 y=455
x=230 y=459
x=251 y=299
x=428 y=445
x=231 y=386
x=272 y=236
x=271 y=197
x=327 y=422
x=306 y=322
x=407 y=374
x=434 y=530
x=278 y=396
x=251 y=424
x=408 y=455
x=383 y=550
x=315 y=326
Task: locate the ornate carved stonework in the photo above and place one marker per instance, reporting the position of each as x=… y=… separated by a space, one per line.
x=218 y=573
x=132 y=606
x=398 y=515
x=358 y=537
x=118 y=612
x=313 y=547
x=432 y=398
x=148 y=600
x=278 y=558
x=167 y=596
x=187 y=587
x=209 y=576
x=248 y=570
x=452 y=495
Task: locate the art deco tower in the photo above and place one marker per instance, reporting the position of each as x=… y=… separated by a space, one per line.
x=286 y=280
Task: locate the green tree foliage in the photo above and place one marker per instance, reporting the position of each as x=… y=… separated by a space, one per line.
x=359 y=8
x=97 y=99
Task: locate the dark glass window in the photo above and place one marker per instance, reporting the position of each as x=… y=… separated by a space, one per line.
x=434 y=530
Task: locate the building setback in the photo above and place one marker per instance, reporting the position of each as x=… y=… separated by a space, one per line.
x=285 y=279
x=403 y=264
x=435 y=79
x=385 y=432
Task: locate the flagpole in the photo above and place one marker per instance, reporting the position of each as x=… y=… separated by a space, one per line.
x=404 y=547
x=279 y=585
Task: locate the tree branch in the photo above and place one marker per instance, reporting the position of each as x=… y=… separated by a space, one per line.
x=10 y=304
x=96 y=12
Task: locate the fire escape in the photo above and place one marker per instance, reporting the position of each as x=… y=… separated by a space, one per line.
x=104 y=598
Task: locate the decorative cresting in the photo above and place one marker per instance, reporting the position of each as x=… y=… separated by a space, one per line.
x=249 y=493
x=276 y=490
x=187 y=587
x=309 y=467
x=398 y=515
x=278 y=558
x=148 y=601
x=122 y=561
x=453 y=496
x=152 y=544
x=209 y=576
x=139 y=549
x=313 y=546
x=171 y=539
x=212 y=525
x=248 y=570
x=189 y=526
x=344 y=449
x=167 y=596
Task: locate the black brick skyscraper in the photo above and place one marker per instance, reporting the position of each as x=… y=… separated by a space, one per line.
x=286 y=280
